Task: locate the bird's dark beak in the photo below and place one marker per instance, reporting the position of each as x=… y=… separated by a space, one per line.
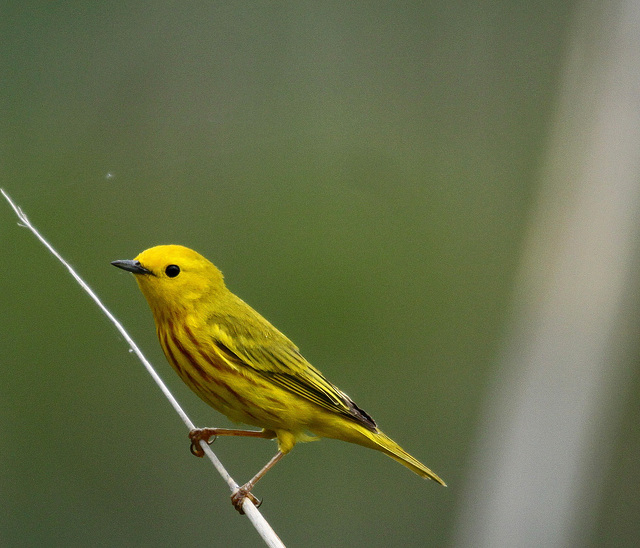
x=132 y=266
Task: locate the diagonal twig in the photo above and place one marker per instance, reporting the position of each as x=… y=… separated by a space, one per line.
x=261 y=525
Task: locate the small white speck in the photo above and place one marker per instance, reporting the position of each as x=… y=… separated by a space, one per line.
x=109 y=176
x=130 y=350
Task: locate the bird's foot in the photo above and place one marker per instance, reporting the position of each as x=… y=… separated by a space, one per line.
x=244 y=492
x=197 y=435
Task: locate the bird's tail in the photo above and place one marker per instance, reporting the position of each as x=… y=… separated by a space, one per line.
x=381 y=442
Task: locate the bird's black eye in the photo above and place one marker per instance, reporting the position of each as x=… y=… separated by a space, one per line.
x=172 y=270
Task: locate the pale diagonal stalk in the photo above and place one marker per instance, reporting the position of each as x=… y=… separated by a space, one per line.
x=257 y=519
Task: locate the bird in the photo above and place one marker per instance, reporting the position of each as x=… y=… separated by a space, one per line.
x=243 y=367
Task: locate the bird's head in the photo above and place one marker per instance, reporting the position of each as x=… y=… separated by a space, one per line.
x=172 y=277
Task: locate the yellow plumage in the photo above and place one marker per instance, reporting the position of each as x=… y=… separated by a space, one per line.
x=241 y=365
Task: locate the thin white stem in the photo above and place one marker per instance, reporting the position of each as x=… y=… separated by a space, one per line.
x=261 y=525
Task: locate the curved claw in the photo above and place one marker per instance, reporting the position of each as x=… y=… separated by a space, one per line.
x=237 y=499
x=196 y=450
x=196 y=436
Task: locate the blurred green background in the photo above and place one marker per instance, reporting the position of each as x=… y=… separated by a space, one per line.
x=363 y=175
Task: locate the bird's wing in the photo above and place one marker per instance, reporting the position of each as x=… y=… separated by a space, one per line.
x=274 y=357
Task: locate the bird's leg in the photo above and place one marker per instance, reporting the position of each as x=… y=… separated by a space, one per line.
x=209 y=435
x=237 y=498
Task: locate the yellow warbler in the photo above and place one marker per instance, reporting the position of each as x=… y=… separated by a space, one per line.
x=242 y=366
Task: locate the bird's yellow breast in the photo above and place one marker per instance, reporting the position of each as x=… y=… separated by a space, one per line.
x=236 y=392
